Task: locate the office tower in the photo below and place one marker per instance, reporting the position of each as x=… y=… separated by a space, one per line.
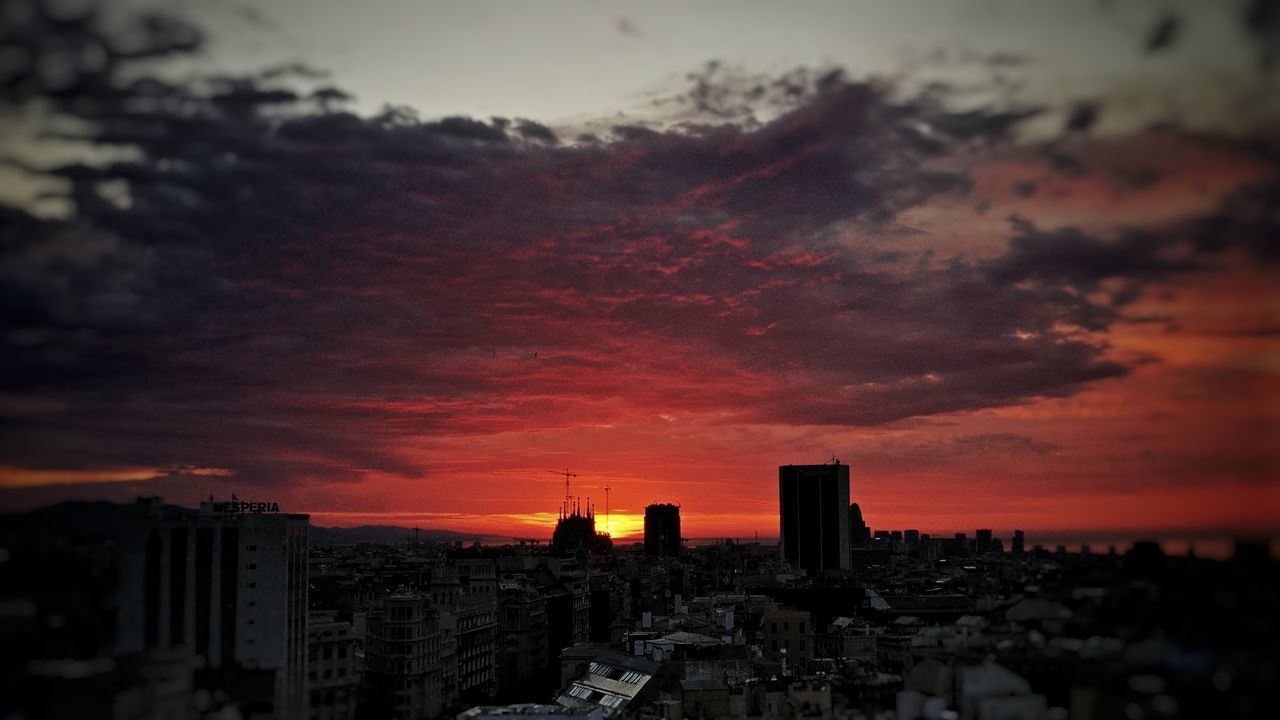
x=911 y=536
x=983 y=543
x=331 y=667
x=227 y=582
x=859 y=533
x=662 y=530
x=1019 y=542
x=813 y=503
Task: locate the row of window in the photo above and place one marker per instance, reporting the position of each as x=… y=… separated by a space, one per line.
x=328 y=673
x=786 y=644
x=328 y=652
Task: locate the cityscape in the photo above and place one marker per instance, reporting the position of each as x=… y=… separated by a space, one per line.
x=235 y=610
x=606 y=360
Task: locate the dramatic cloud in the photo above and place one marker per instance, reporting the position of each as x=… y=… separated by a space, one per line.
x=261 y=282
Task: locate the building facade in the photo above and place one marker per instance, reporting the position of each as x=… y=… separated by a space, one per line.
x=662 y=530
x=410 y=667
x=813 y=502
x=228 y=583
x=522 y=634
x=331 y=667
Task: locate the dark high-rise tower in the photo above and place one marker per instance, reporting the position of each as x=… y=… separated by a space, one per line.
x=859 y=533
x=662 y=530
x=983 y=544
x=813 y=501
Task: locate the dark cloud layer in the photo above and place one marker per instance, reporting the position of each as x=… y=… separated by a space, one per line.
x=278 y=287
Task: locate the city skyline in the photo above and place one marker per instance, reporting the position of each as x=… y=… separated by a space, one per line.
x=1011 y=284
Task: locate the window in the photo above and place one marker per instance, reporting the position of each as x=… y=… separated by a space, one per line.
x=802 y=628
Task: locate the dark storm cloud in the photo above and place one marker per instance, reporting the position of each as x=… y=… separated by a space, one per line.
x=277 y=287
x=1070 y=258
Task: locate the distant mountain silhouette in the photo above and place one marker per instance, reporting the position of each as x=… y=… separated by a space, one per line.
x=384 y=535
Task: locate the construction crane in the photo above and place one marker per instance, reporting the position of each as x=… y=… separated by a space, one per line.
x=568 y=499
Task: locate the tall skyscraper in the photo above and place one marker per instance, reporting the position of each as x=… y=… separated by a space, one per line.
x=228 y=583
x=662 y=530
x=859 y=533
x=813 y=502
x=1019 y=542
x=982 y=545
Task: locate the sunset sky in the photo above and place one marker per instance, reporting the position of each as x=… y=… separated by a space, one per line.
x=393 y=262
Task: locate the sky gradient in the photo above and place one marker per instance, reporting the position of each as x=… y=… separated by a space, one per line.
x=1007 y=290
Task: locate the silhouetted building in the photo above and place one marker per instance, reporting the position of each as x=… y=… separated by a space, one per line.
x=1019 y=545
x=1252 y=552
x=982 y=545
x=859 y=533
x=228 y=582
x=662 y=530
x=576 y=532
x=814 y=506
